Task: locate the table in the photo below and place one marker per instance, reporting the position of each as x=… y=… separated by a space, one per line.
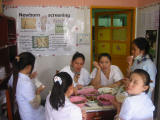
x=96 y=112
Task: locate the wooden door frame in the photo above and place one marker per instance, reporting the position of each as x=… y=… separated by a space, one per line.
x=157 y=86
x=108 y=7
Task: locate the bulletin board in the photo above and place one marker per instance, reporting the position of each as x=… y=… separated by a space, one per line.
x=52 y=30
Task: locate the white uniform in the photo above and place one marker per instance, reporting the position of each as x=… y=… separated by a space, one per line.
x=115 y=75
x=25 y=92
x=68 y=112
x=84 y=78
x=138 y=107
x=149 y=67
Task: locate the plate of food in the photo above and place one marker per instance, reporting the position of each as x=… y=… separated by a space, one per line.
x=86 y=91
x=91 y=97
x=105 y=99
x=107 y=90
x=78 y=100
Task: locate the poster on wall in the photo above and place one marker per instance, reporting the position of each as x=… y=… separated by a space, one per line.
x=83 y=39
x=151 y=36
x=49 y=30
x=147 y=19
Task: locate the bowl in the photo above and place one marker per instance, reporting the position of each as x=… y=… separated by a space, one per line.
x=78 y=100
x=120 y=97
x=107 y=90
x=86 y=91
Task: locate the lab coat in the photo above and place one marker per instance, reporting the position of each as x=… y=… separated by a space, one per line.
x=68 y=112
x=114 y=76
x=138 y=107
x=84 y=78
x=25 y=92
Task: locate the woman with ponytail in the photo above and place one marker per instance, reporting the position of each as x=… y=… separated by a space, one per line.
x=23 y=90
x=58 y=105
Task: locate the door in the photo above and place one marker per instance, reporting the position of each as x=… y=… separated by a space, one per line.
x=113 y=35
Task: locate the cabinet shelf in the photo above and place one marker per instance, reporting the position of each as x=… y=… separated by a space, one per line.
x=11 y=34
x=8 y=37
x=8 y=44
x=7 y=31
x=12 y=38
x=3 y=47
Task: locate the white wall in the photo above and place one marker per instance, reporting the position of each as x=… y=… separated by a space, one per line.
x=46 y=66
x=148 y=19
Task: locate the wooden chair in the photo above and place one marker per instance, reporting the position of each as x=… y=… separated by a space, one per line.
x=13 y=114
x=9 y=107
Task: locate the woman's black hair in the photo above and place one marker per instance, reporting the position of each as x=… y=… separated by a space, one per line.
x=57 y=97
x=19 y=63
x=142 y=44
x=145 y=76
x=78 y=55
x=104 y=55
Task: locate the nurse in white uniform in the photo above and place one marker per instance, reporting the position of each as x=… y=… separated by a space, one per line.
x=24 y=91
x=58 y=105
x=141 y=60
x=104 y=73
x=80 y=75
x=138 y=106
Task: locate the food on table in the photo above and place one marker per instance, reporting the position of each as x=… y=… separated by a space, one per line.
x=120 y=97
x=86 y=91
x=78 y=100
x=89 y=93
x=91 y=97
x=120 y=89
x=105 y=99
x=90 y=86
x=107 y=90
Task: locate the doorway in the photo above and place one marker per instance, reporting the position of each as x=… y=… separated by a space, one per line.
x=112 y=32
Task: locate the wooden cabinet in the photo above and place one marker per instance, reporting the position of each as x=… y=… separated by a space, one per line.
x=11 y=28
x=101 y=115
x=3 y=31
x=7 y=31
x=8 y=46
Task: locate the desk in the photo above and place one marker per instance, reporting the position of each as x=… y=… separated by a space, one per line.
x=96 y=112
